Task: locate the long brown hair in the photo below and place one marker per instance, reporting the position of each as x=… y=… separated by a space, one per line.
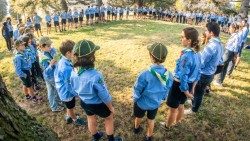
x=193 y=35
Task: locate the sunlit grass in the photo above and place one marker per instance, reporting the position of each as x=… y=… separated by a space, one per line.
x=225 y=115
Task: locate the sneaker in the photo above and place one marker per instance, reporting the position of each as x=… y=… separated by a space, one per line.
x=189 y=101
x=117 y=138
x=37 y=87
x=79 y=121
x=188 y=112
x=217 y=84
x=164 y=126
x=68 y=119
x=148 y=138
x=100 y=136
x=28 y=97
x=138 y=130
x=58 y=109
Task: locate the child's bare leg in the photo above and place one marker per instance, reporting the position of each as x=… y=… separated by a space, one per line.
x=70 y=112
x=109 y=125
x=137 y=122
x=92 y=124
x=172 y=116
x=150 y=129
x=180 y=113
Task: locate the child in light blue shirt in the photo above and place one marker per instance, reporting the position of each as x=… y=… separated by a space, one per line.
x=151 y=87
x=89 y=85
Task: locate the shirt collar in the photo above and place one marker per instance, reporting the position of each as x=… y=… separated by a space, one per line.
x=157 y=66
x=66 y=60
x=215 y=39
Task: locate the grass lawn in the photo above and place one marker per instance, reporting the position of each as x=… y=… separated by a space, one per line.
x=225 y=115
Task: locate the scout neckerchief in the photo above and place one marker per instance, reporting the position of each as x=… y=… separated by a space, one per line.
x=163 y=78
x=44 y=58
x=81 y=70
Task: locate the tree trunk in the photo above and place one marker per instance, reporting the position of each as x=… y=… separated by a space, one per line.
x=99 y=2
x=245 y=7
x=16 y=124
x=64 y=5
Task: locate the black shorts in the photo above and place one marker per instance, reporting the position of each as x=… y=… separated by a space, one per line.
x=64 y=21
x=80 y=19
x=48 y=24
x=71 y=104
x=108 y=13
x=11 y=34
x=96 y=14
x=70 y=20
x=96 y=109
x=76 y=20
x=37 y=27
x=176 y=97
x=121 y=14
x=27 y=82
x=56 y=23
x=87 y=16
x=139 y=113
x=91 y=16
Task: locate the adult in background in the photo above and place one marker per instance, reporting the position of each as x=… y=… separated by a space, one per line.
x=6 y=35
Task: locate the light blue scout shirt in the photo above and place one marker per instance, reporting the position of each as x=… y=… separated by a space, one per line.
x=56 y=18
x=62 y=79
x=76 y=14
x=28 y=24
x=102 y=9
x=10 y=27
x=187 y=68
x=233 y=43
x=64 y=15
x=150 y=89
x=211 y=56
x=97 y=9
x=21 y=62
x=31 y=52
x=87 y=12
x=37 y=19
x=69 y=15
x=92 y=10
x=45 y=58
x=245 y=32
x=90 y=86
x=48 y=18
x=16 y=34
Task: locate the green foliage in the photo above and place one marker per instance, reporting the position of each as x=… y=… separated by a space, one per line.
x=29 y=7
x=155 y=3
x=3 y=9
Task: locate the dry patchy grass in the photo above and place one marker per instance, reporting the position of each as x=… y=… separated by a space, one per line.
x=225 y=115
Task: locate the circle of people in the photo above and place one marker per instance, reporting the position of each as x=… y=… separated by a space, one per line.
x=75 y=75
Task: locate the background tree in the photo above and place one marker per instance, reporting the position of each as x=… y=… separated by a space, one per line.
x=16 y=124
x=245 y=7
x=3 y=9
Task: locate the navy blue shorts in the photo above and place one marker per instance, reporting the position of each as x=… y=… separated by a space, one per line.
x=37 y=27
